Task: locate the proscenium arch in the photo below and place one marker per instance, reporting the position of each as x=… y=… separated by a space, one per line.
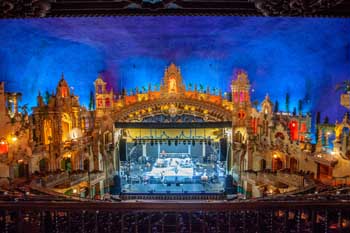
x=205 y=110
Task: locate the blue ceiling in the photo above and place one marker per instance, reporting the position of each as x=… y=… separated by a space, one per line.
x=305 y=57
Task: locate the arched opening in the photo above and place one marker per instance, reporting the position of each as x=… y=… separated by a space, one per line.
x=277 y=163
x=22 y=170
x=4 y=146
x=279 y=135
x=66 y=127
x=293 y=164
x=66 y=164
x=86 y=164
x=47 y=132
x=293 y=128
x=262 y=164
x=44 y=165
x=238 y=137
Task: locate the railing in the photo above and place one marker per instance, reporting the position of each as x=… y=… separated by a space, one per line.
x=97 y=177
x=326 y=159
x=290 y=179
x=176 y=216
x=52 y=180
x=77 y=178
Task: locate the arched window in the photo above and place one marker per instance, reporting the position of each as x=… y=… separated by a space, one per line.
x=64 y=92
x=107 y=102
x=4 y=146
x=99 y=102
x=293 y=127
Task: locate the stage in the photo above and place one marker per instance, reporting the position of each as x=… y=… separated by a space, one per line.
x=167 y=169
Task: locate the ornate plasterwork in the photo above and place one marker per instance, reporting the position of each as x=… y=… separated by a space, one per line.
x=205 y=110
x=47 y=8
x=293 y=7
x=22 y=8
x=172 y=82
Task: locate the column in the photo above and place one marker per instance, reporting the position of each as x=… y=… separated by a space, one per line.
x=203 y=149
x=158 y=149
x=144 y=150
x=319 y=141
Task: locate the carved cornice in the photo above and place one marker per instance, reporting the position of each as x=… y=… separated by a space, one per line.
x=24 y=8
x=48 y=8
x=214 y=111
x=293 y=7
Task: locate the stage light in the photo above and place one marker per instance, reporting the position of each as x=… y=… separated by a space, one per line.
x=169 y=142
x=176 y=142
x=184 y=142
x=193 y=142
x=209 y=142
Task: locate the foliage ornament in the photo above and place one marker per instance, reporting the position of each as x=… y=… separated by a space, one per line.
x=293 y=7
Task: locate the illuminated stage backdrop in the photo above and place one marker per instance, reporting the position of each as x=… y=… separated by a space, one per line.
x=305 y=57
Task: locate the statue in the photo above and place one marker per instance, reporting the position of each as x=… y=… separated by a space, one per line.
x=172 y=85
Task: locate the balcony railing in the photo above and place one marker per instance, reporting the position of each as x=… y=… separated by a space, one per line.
x=52 y=180
x=176 y=216
x=290 y=179
x=325 y=159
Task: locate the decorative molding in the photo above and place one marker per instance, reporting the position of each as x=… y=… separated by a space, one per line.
x=293 y=7
x=84 y=8
x=24 y=8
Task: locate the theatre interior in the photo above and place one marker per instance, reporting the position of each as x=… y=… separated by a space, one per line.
x=174 y=155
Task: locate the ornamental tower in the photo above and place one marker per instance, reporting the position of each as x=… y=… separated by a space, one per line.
x=103 y=98
x=241 y=99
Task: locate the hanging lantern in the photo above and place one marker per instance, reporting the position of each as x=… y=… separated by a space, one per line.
x=4 y=146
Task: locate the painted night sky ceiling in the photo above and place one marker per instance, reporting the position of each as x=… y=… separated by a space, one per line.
x=305 y=57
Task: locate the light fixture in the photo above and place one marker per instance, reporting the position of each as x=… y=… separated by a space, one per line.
x=14 y=139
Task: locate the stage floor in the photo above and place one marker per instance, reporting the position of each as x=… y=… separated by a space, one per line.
x=173 y=188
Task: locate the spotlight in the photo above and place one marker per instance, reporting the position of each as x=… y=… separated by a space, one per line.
x=152 y=142
x=209 y=142
x=169 y=142
x=184 y=142
x=193 y=142
x=135 y=142
x=176 y=142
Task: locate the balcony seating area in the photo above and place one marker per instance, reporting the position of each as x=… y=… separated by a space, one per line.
x=305 y=215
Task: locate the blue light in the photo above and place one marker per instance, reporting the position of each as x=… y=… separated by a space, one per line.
x=305 y=57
